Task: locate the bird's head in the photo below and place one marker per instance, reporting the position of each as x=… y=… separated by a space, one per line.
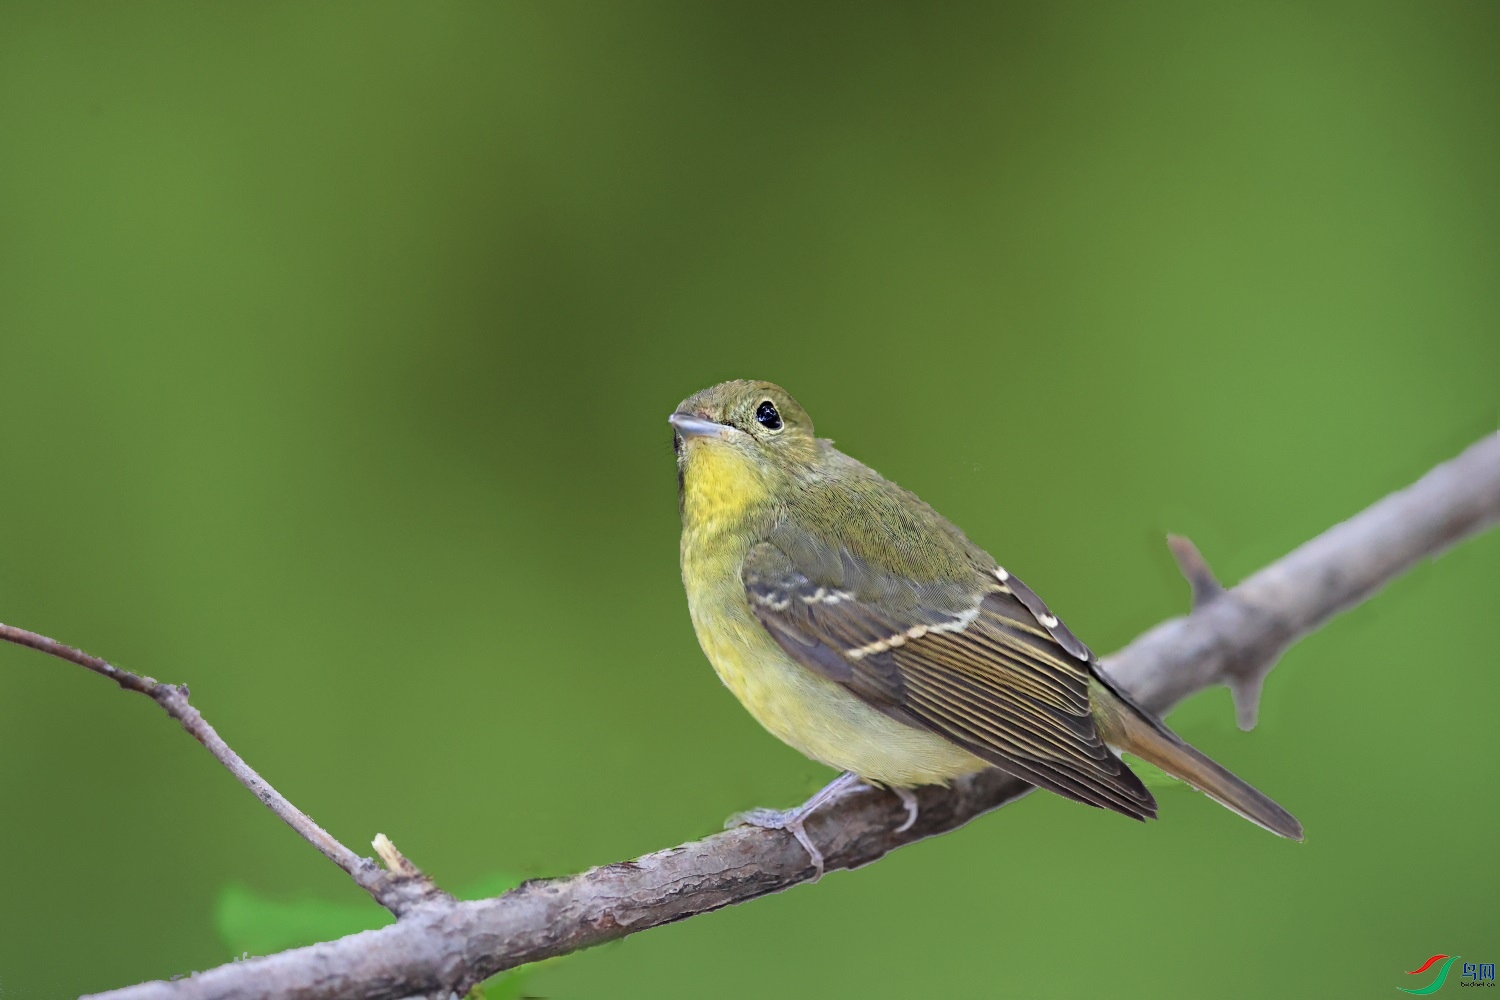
x=738 y=443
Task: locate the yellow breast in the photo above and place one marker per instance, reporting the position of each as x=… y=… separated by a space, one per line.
x=803 y=709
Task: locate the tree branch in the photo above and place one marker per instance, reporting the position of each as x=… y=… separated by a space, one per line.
x=398 y=889
x=1231 y=636
x=1237 y=641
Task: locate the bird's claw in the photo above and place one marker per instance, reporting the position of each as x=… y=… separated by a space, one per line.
x=766 y=819
x=790 y=821
x=909 y=800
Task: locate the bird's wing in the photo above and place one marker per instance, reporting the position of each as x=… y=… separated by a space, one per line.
x=984 y=664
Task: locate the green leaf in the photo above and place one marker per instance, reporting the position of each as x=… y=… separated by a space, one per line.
x=490 y=885
x=249 y=922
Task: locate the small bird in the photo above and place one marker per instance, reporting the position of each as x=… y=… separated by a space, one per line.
x=863 y=629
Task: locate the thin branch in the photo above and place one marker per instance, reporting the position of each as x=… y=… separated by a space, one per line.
x=1232 y=636
x=398 y=890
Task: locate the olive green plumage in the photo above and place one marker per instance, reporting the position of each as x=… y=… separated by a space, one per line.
x=861 y=627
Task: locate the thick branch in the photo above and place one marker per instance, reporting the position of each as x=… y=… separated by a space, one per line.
x=398 y=889
x=1232 y=636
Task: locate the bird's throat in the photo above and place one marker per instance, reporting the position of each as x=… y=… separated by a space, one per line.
x=721 y=488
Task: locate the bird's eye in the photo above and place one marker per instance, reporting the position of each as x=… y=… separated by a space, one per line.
x=767 y=417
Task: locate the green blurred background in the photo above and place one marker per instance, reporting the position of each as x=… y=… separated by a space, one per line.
x=337 y=347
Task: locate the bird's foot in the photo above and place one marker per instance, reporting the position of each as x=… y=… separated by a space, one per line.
x=790 y=820
x=906 y=795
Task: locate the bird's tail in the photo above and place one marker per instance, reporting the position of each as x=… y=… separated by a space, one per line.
x=1131 y=729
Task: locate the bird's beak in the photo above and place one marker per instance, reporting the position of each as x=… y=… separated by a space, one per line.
x=690 y=425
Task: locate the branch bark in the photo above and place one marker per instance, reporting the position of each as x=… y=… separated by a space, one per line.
x=1232 y=636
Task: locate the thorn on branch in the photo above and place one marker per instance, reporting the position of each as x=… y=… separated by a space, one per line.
x=1194 y=568
x=1245 y=677
x=1245 y=689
